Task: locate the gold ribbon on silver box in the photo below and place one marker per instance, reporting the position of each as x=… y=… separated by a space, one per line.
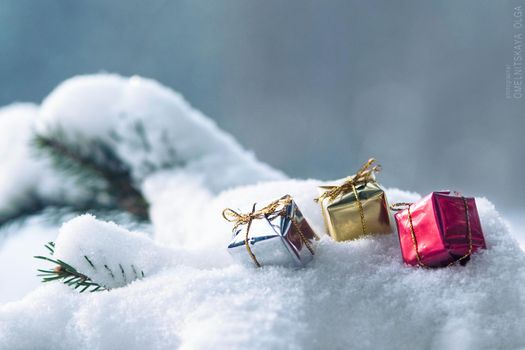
x=277 y=234
x=356 y=207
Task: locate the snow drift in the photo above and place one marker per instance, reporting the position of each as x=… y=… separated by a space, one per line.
x=354 y=295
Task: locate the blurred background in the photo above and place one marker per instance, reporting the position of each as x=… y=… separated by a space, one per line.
x=313 y=87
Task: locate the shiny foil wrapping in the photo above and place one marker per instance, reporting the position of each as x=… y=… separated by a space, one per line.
x=440 y=227
x=342 y=216
x=275 y=240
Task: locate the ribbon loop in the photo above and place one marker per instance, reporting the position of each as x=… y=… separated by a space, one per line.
x=244 y=218
x=239 y=219
x=362 y=176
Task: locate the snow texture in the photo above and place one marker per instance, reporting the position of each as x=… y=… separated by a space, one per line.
x=349 y=295
x=84 y=239
x=353 y=295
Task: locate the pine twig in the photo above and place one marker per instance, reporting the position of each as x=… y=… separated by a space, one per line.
x=75 y=279
x=67 y=273
x=108 y=167
x=34 y=206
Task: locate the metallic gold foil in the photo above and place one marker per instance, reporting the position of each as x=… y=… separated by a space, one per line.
x=346 y=217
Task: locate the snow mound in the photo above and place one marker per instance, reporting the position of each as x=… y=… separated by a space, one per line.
x=151 y=128
x=353 y=295
x=89 y=246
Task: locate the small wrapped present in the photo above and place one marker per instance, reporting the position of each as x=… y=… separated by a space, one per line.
x=277 y=234
x=439 y=230
x=357 y=207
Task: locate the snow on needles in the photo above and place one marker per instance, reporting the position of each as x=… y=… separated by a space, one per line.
x=353 y=295
x=151 y=128
x=89 y=245
x=26 y=180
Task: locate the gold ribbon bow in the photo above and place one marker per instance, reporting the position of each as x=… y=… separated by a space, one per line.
x=403 y=206
x=364 y=175
x=244 y=219
x=272 y=210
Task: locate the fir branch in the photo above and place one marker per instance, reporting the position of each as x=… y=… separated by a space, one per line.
x=32 y=207
x=67 y=273
x=75 y=279
x=100 y=164
x=57 y=213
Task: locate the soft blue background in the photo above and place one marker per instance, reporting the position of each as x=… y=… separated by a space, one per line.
x=314 y=87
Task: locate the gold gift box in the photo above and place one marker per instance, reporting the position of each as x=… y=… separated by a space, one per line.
x=358 y=208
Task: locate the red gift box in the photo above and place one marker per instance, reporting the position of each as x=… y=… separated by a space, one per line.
x=439 y=230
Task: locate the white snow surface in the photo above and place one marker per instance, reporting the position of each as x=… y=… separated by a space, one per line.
x=18 y=243
x=353 y=295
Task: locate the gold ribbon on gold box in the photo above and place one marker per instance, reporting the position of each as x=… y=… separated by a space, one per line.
x=357 y=207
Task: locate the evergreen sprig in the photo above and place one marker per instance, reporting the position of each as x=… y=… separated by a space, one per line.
x=100 y=169
x=33 y=206
x=77 y=280
x=67 y=273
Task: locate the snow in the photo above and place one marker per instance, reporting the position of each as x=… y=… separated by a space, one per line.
x=353 y=295
x=515 y=218
x=198 y=297
x=84 y=238
x=24 y=180
x=18 y=243
x=15 y=133
x=151 y=128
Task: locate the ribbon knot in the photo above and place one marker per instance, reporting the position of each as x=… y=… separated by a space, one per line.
x=277 y=207
x=364 y=175
x=238 y=218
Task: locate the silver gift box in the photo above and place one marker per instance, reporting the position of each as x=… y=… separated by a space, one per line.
x=276 y=240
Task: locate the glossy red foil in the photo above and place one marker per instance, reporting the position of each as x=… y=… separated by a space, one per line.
x=440 y=226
